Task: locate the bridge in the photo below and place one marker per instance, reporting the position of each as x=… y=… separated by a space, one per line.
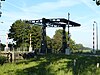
x=55 y=22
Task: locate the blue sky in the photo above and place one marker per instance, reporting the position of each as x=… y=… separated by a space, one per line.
x=81 y=11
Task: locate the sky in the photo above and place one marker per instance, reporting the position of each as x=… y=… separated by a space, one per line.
x=84 y=12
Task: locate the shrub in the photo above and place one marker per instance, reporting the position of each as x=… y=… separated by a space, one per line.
x=2 y=60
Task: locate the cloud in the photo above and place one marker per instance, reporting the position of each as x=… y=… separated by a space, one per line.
x=14 y=6
x=35 y=11
x=50 y=6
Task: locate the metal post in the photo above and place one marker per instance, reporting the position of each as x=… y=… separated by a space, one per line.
x=43 y=41
x=68 y=31
x=96 y=35
x=93 y=39
x=64 y=44
x=67 y=50
x=68 y=42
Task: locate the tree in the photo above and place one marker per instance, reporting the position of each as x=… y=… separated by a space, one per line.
x=98 y=2
x=20 y=33
x=57 y=41
x=78 y=47
x=2 y=46
x=49 y=44
x=36 y=37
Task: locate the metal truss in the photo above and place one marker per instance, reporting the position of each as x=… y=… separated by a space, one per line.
x=55 y=22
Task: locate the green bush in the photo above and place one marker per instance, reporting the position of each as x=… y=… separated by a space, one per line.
x=2 y=60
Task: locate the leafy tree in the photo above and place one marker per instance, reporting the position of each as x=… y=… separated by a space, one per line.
x=57 y=41
x=80 y=46
x=2 y=46
x=49 y=44
x=36 y=37
x=20 y=33
x=98 y=2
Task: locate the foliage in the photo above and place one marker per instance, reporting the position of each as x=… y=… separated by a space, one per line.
x=2 y=46
x=2 y=60
x=20 y=33
x=57 y=41
x=36 y=37
x=98 y=2
x=78 y=47
x=49 y=44
x=53 y=65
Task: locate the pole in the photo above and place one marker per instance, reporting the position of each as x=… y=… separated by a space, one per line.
x=43 y=41
x=96 y=35
x=93 y=39
x=30 y=47
x=64 y=44
x=67 y=51
x=68 y=31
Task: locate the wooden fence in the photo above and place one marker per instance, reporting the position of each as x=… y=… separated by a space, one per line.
x=11 y=55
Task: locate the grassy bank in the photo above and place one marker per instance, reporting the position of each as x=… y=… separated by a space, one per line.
x=53 y=65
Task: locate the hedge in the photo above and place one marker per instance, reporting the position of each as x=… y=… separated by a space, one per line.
x=2 y=60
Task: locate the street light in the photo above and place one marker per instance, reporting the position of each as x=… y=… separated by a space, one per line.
x=96 y=34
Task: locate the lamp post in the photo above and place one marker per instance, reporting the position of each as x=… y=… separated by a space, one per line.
x=96 y=34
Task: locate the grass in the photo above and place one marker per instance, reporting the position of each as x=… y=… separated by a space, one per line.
x=53 y=65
